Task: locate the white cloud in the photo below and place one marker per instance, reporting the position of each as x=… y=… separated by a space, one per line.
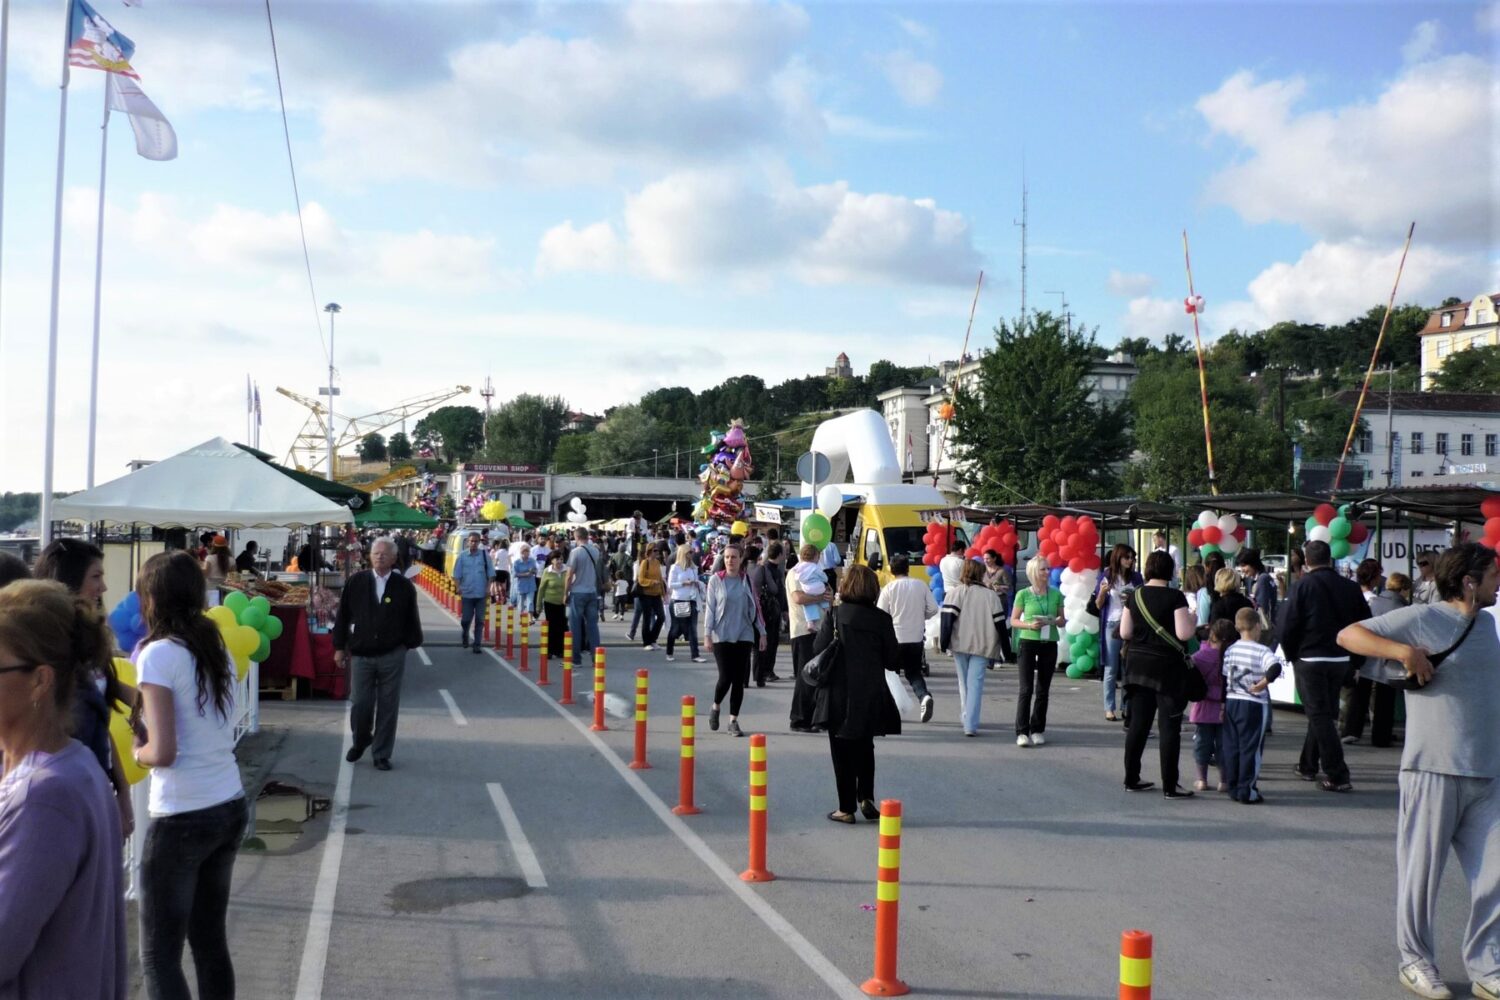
x=916 y=30
x=1422 y=43
x=915 y=81
x=1424 y=148
x=694 y=224
x=1487 y=19
x=1154 y=318
x=1129 y=285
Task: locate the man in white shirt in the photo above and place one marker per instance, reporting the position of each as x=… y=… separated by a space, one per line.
x=909 y=603
x=952 y=566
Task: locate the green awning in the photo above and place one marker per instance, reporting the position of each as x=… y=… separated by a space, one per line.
x=339 y=493
x=388 y=512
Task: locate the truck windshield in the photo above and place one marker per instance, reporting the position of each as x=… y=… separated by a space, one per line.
x=906 y=541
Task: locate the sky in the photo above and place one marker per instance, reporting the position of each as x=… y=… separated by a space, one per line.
x=595 y=200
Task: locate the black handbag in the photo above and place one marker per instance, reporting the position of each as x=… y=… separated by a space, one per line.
x=817 y=671
x=1194 y=684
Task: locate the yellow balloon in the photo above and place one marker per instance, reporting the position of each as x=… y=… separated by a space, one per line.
x=739 y=529
x=119 y=726
x=246 y=640
x=222 y=617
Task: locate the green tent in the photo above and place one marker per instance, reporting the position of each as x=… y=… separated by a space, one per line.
x=388 y=512
x=340 y=493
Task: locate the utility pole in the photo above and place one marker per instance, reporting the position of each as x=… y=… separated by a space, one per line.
x=1022 y=224
x=1067 y=316
x=332 y=309
x=1390 y=425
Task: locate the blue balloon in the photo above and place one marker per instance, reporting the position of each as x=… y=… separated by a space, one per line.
x=936 y=585
x=126 y=621
x=1056 y=576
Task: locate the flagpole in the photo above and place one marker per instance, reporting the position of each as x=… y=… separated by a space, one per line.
x=49 y=440
x=98 y=281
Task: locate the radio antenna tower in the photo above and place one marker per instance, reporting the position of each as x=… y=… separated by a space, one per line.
x=1022 y=224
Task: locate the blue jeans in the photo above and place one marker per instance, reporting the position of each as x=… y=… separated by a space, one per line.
x=1208 y=744
x=473 y=612
x=1112 y=672
x=583 y=614
x=685 y=628
x=971 y=668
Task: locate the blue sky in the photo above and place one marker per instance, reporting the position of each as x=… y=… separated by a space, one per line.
x=595 y=200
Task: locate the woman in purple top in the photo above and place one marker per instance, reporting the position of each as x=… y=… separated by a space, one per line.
x=62 y=908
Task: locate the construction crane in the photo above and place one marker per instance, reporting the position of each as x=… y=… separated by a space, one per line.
x=309 y=449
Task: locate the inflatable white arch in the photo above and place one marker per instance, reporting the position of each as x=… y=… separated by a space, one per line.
x=859 y=441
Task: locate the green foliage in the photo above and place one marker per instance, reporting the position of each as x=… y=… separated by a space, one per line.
x=526 y=430
x=621 y=446
x=1031 y=423
x=18 y=508
x=572 y=452
x=1321 y=425
x=399 y=447
x=1475 y=369
x=454 y=432
x=372 y=448
x=768 y=488
x=447 y=507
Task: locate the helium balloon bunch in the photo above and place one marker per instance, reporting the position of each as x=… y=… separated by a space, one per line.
x=1335 y=527
x=1001 y=537
x=1069 y=542
x=427 y=495
x=577 y=512
x=127 y=623
x=248 y=628
x=1490 y=508
x=1082 y=628
x=723 y=476
x=817 y=527
x=937 y=538
x=494 y=510
x=474 y=498
x=1216 y=533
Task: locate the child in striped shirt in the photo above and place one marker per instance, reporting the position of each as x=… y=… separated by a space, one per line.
x=1249 y=668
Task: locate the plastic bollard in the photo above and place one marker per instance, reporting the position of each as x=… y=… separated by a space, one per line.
x=642 y=683
x=1135 y=965
x=510 y=633
x=685 y=806
x=541 y=665
x=599 y=726
x=757 y=871
x=525 y=665
x=884 y=983
x=567 y=681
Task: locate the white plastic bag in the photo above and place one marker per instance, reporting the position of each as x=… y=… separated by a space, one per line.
x=906 y=703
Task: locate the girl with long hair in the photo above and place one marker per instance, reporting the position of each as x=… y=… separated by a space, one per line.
x=734 y=630
x=1116 y=584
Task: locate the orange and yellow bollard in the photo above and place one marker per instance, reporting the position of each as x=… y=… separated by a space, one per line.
x=685 y=806
x=510 y=633
x=525 y=665
x=599 y=725
x=541 y=666
x=567 y=691
x=884 y=982
x=1135 y=965
x=757 y=871
x=642 y=682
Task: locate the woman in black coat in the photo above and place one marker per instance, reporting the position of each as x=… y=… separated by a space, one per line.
x=854 y=703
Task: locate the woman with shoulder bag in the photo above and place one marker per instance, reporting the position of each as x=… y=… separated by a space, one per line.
x=686 y=593
x=854 y=701
x=1156 y=623
x=650 y=587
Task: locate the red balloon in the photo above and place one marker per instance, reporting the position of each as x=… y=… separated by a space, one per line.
x=1195 y=537
x=1054 y=560
x=1240 y=533
x=1324 y=512
x=1490 y=507
x=1087 y=527
x=1076 y=564
x=1213 y=535
x=930 y=560
x=1068 y=523
x=1358 y=533
x=1048 y=548
x=1050 y=521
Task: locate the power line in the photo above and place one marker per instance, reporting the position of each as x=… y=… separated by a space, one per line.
x=296 y=194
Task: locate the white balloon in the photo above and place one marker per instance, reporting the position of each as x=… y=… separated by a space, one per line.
x=1318 y=534
x=1207 y=518
x=574 y=517
x=830 y=500
x=1091 y=625
x=577 y=504
x=1228 y=523
x=1229 y=545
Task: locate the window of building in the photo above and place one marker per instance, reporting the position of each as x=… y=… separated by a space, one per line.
x=1491 y=445
x=1442 y=443
x=1417 y=474
x=1366 y=442
x=1447 y=320
x=1416 y=443
x=1466 y=444
x=1444 y=345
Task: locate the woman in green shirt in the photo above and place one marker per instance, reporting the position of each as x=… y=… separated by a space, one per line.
x=550 y=590
x=1038 y=618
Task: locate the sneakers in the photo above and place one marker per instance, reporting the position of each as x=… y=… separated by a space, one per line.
x=670 y=657
x=926 y=707
x=699 y=659
x=1349 y=740
x=477 y=649
x=649 y=647
x=1038 y=740
x=1023 y=740
x=1200 y=785
x=713 y=719
x=1487 y=988
x=734 y=729
x=1423 y=980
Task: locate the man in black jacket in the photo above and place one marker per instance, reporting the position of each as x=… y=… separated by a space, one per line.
x=1319 y=606
x=377 y=623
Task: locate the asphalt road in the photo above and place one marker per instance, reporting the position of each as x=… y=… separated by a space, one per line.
x=1020 y=867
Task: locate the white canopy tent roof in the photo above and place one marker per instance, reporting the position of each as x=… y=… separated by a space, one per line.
x=215 y=484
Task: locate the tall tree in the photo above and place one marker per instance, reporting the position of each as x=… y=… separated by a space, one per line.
x=455 y=432
x=525 y=431
x=1475 y=369
x=399 y=447
x=372 y=448
x=572 y=453
x=1029 y=422
x=621 y=446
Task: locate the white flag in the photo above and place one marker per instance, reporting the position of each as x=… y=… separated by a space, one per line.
x=154 y=138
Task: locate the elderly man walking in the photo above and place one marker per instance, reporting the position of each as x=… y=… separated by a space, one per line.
x=472 y=571
x=377 y=623
x=1450 y=764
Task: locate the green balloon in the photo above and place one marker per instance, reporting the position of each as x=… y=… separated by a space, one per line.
x=253 y=616
x=262 y=651
x=817 y=531
x=273 y=628
x=1207 y=549
x=1339 y=547
x=1338 y=528
x=259 y=601
x=1312 y=522
x=1075 y=671
x=236 y=602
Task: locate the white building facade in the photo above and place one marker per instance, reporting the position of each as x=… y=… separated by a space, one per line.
x=1429 y=438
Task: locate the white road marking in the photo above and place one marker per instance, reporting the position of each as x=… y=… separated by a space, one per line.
x=320 y=920
x=525 y=856
x=453 y=709
x=422 y=655
x=803 y=948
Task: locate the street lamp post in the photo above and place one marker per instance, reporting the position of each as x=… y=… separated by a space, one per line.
x=654 y=453
x=332 y=309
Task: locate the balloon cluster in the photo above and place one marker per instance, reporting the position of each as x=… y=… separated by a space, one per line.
x=127 y=624
x=1193 y=304
x=1216 y=533
x=1490 y=508
x=577 y=512
x=1001 y=537
x=1336 y=528
x=427 y=495
x=248 y=628
x=817 y=527
x=723 y=476
x=119 y=725
x=937 y=538
x=1082 y=628
x=494 y=510
x=474 y=498
x=1071 y=542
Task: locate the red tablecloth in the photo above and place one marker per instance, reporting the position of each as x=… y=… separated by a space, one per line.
x=299 y=653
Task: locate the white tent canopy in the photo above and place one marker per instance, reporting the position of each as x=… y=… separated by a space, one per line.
x=215 y=484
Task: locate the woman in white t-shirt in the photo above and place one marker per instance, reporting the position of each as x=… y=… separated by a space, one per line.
x=197 y=804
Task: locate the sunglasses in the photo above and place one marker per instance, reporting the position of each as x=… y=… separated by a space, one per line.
x=19 y=667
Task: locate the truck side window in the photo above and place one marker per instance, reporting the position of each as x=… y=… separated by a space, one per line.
x=872 y=545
